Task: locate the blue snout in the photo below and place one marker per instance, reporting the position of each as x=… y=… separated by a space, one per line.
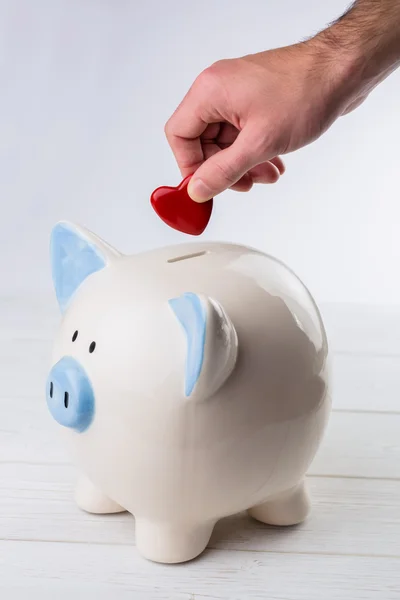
x=69 y=394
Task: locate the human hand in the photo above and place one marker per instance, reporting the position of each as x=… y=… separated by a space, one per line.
x=241 y=114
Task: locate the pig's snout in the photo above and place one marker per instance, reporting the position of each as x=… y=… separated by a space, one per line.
x=69 y=394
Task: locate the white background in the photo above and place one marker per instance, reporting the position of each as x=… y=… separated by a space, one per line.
x=86 y=87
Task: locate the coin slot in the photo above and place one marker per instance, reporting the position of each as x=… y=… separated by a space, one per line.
x=187 y=256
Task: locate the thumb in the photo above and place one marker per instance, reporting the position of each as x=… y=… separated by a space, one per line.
x=224 y=169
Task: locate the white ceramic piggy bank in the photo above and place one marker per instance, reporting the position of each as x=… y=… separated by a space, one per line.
x=191 y=383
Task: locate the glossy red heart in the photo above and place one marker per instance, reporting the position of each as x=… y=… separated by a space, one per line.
x=176 y=208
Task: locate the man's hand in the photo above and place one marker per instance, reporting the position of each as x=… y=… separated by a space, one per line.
x=241 y=114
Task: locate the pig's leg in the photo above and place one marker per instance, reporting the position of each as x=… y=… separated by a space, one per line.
x=92 y=500
x=171 y=542
x=288 y=508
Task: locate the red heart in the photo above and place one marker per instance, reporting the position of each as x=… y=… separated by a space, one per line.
x=176 y=208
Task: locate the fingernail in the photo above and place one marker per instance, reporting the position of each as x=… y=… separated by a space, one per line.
x=199 y=191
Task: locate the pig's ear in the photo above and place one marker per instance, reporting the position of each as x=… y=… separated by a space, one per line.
x=75 y=254
x=211 y=340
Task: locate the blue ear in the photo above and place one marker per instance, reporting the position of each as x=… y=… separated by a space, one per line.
x=73 y=258
x=192 y=316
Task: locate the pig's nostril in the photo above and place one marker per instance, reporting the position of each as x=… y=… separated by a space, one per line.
x=66 y=399
x=51 y=389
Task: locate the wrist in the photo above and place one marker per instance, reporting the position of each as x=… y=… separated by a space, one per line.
x=338 y=72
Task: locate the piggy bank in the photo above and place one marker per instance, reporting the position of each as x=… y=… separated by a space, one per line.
x=190 y=382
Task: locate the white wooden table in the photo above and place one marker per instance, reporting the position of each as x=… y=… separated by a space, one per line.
x=349 y=549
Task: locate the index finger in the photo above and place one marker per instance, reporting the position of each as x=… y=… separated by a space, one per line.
x=183 y=131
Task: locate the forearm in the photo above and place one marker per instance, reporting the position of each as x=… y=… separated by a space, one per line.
x=366 y=39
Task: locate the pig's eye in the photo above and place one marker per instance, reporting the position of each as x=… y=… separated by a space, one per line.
x=92 y=347
x=75 y=335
